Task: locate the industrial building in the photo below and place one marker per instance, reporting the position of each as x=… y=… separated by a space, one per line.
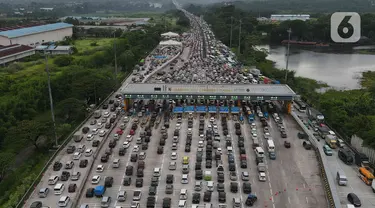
x=284 y=17
x=14 y=52
x=33 y=36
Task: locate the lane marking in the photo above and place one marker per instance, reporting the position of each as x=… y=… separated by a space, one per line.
x=289 y=200
x=307 y=201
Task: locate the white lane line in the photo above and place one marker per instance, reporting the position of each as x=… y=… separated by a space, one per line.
x=307 y=201
x=289 y=200
x=304 y=185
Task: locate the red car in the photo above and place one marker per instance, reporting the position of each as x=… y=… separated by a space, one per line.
x=119 y=131
x=132 y=132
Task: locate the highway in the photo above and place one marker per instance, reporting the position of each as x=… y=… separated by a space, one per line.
x=355 y=184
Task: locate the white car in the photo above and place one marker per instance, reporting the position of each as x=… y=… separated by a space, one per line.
x=95 y=179
x=178 y=127
x=116 y=137
x=94 y=131
x=174 y=156
x=100 y=168
x=262 y=176
x=136 y=148
x=253 y=130
x=99 y=125
x=134 y=205
x=267 y=135
x=126 y=145
x=185 y=179
x=245 y=176
x=255 y=136
x=102 y=133
x=174 y=146
x=220 y=150
x=172 y=166
x=129 y=138
x=106 y=114
x=88 y=152
x=253 y=125
x=139 y=141
x=200 y=144
x=126 y=120
x=90 y=137
x=77 y=155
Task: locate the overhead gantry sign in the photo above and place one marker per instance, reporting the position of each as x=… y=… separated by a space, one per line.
x=211 y=92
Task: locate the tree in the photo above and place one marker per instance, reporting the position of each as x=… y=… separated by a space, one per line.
x=71 y=110
x=6 y=159
x=63 y=60
x=127 y=60
x=32 y=132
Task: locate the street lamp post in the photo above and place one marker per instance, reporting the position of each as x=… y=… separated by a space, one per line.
x=287 y=55
x=231 y=33
x=114 y=47
x=51 y=100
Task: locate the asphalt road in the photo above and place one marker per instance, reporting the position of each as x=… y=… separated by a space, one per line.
x=355 y=184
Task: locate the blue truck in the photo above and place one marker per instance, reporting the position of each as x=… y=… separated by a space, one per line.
x=265 y=115
x=251 y=118
x=99 y=191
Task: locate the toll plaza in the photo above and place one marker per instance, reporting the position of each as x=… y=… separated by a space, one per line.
x=236 y=93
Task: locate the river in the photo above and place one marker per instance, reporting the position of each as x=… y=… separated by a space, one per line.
x=337 y=70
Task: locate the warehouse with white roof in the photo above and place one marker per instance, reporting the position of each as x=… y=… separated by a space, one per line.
x=33 y=36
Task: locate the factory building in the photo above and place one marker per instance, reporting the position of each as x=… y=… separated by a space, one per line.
x=284 y=17
x=34 y=36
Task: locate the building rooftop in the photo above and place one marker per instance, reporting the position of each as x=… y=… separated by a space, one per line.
x=13 y=49
x=33 y=30
x=203 y=89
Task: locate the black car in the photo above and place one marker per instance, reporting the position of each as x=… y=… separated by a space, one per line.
x=108 y=182
x=207 y=196
x=104 y=158
x=105 y=106
x=198 y=166
x=243 y=164
x=353 y=199
x=187 y=148
x=196 y=198
x=160 y=150
x=170 y=179
x=152 y=191
x=139 y=182
x=90 y=192
x=127 y=181
x=246 y=187
x=72 y=188
x=198 y=175
x=234 y=187
x=83 y=163
x=222 y=197
x=95 y=143
x=167 y=202
x=57 y=166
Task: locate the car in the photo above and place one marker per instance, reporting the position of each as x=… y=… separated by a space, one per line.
x=160 y=150
x=170 y=179
x=72 y=188
x=102 y=133
x=135 y=204
x=75 y=176
x=129 y=138
x=185 y=179
x=272 y=155
x=174 y=146
x=137 y=195
x=95 y=179
x=139 y=182
x=77 y=155
x=88 y=152
x=262 y=176
x=236 y=202
x=90 y=192
x=83 y=163
x=245 y=176
x=283 y=134
x=174 y=156
x=136 y=148
x=152 y=191
x=196 y=198
x=167 y=202
x=187 y=148
x=287 y=144
x=90 y=137
x=172 y=165
x=126 y=145
x=127 y=181
x=353 y=199
x=169 y=189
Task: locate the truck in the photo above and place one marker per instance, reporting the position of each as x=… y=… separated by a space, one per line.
x=315 y=115
x=331 y=141
x=97 y=114
x=265 y=115
x=346 y=155
x=261 y=167
x=251 y=117
x=362 y=160
x=99 y=191
x=241 y=119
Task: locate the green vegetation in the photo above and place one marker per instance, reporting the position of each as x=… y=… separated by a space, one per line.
x=77 y=81
x=349 y=112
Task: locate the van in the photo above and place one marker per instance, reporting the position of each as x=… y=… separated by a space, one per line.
x=341 y=178
x=210 y=186
x=116 y=163
x=106 y=201
x=63 y=201
x=183 y=194
x=59 y=188
x=259 y=152
x=43 y=192
x=182 y=204
x=53 y=180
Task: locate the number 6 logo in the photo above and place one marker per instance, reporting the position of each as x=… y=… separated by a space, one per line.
x=345 y=27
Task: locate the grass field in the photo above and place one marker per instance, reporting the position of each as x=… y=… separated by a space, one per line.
x=85 y=44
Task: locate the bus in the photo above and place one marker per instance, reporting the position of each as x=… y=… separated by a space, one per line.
x=301 y=106
x=270 y=145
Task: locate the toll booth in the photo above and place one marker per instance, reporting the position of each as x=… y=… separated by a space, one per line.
x=178 y=110
x=235 y=110
x=224 y=110
x=189 y=109
x=201 y=109
x=212 y=110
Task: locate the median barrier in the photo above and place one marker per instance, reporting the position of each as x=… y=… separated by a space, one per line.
x=329 y=186
x=61 y=147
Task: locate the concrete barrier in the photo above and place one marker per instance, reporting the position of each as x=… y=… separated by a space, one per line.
x=329 y=187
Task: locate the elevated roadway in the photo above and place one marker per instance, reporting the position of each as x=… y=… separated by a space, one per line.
x=355 y=184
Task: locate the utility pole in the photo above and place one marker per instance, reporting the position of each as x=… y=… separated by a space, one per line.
x=239 y=39
x=51 y=100
x=231 y=31
x=287 y=55
x=114 y=46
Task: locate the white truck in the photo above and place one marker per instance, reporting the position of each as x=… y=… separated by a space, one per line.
x=97 y=114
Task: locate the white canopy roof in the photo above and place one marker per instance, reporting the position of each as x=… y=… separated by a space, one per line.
x=170 y=43
x=170 y=34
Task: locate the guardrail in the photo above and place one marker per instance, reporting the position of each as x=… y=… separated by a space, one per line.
x=64 y=143
x=330 y=188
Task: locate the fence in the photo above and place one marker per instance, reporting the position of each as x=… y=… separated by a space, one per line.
x=64 y=143
x=357 y=144
x=329 y=187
